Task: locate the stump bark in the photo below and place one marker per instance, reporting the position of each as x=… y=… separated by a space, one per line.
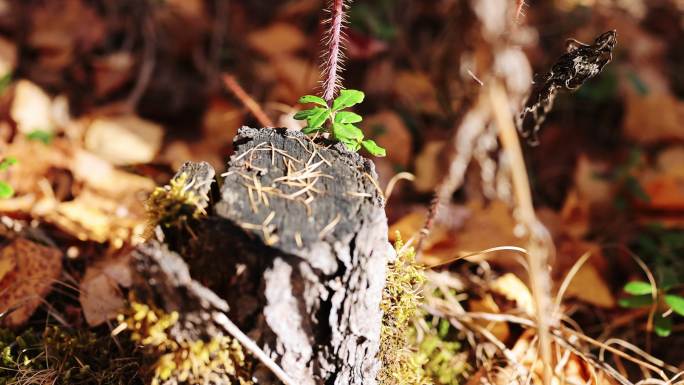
x=296 y=243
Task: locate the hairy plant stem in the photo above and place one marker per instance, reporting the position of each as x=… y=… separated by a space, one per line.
x=332 y=64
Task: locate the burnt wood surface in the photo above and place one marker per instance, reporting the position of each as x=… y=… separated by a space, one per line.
x=296 y=243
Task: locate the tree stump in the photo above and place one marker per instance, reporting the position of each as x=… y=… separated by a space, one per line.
x=296 y=244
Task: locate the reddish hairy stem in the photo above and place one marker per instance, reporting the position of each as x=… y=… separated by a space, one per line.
x=333 y=54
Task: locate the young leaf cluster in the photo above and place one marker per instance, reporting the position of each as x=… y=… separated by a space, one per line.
x=642 y=294
x=340 y=123
x=6 y=191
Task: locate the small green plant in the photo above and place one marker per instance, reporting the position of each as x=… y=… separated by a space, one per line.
x=6 y=191
x=643 y=294
x=41 y=136
x=340 y=123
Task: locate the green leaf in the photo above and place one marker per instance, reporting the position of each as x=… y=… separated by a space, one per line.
x=41 y=136
x=7 y=162
x=676 y=303
x=373 y=148
x=6 y=191
x=352 y=145
x=663 y=326
x=347 y=131
x=638 y=288
x=347 y=117
x=302 y=115
x=347 y=99
x=313 y=99
x=5 y=81
x=311 y=130
x=636 y=301
x=318 y=118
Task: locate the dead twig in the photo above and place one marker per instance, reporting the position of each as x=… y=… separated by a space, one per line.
x=233 y=86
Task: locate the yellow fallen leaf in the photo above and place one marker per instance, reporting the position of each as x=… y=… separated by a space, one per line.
x=31 y=108
x=511 y=287
x=124 y=140
x=487 y=305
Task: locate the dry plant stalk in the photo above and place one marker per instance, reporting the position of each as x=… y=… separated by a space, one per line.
x=539 y=243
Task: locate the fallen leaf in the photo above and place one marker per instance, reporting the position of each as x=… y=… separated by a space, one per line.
x=124 y=140
x=487 y=305
x=22 y=289
x=428 y=173
x=100 y=295
x=31 y=108
x=575 y=215
x=416 y=91
x=277 y=39
x=654 y=117
x=220 y=124
x=589 y=284
x=511 y=287
x=390 y=132
x=8 y=56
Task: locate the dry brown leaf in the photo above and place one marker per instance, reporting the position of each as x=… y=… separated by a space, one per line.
x=31 y=108
x=8 y=56
x=124 y=140
x=220 y=124
x=652 y=118
x=511 y=287
x=277 y=39
x=299 y=77
x=36 y=267
x=589 y=284
x=101 y=176
x=487 y=305
x=573 y=371
x=428 y=173
x=390 y=132
x=416 y=91
x=97 y=218
x=489 y=226
x=436 y=247
x=575 y=215
x=100 y=296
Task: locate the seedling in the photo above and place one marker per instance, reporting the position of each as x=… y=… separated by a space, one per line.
x=642 y=295
x=6 y=191
x=41 y=136
x=339 y=123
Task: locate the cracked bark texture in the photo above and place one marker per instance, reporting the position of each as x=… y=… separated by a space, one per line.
x=296 y=243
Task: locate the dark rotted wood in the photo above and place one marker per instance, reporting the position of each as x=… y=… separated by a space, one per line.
x=297 y=245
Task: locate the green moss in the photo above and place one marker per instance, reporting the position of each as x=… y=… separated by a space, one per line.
x=416 y=348
x=400 y=304
x=63 y=356
x=172 y=205
x=218 y=360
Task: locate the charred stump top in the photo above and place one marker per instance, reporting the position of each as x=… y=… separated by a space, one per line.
x=296 y=244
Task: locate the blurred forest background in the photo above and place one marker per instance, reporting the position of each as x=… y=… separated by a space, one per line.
x=103 y=100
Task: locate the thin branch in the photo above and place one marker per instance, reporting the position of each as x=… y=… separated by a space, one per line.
x=233 y=86
x=247 y=342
